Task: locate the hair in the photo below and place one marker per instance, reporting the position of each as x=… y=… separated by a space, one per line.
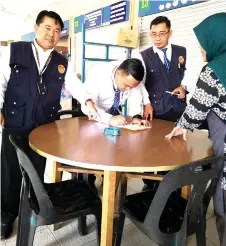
x=161 y=19
x=133 y=67
x=50 y=14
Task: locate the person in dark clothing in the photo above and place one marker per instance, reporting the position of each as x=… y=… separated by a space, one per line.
x=31 y=78
x=209 y=102
x=165 y=79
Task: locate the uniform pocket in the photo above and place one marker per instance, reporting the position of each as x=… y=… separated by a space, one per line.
x=51 y=109
x=15 y=113
x=157 y=100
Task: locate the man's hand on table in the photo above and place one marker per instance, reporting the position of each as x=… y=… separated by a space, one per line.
x=118 y=120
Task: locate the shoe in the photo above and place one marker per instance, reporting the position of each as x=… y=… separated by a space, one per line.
x=6 y=229
x=6 y=225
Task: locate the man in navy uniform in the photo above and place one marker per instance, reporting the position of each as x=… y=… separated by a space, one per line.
x=165 y=79
x=165 y=66
x=31 y=79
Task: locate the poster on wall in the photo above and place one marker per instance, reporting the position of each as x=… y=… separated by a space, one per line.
x=93 y=19
x=149 y=7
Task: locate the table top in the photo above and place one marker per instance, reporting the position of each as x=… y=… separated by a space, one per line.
x=82 y=143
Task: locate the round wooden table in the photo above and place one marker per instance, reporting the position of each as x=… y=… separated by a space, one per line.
x=82 y=143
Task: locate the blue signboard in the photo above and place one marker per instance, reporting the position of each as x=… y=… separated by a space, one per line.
x=65 y=31
x=28 y=37
x=78 y=22
x=111 y=14
x=148 y=7
x=116 y=13
x=93 y=19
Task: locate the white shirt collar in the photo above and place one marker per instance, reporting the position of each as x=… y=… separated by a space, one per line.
x=40 y=50
x=157 y=50
x=113 y=77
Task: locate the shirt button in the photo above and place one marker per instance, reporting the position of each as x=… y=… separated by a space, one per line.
x=12 y=112
x=154 y=95
x=53 y=107
x=59 y=77
x=51 y=115
x=155 y=102
x=14 y=102
x=17 y=71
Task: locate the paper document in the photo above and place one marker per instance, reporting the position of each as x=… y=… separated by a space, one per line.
x=135 y=127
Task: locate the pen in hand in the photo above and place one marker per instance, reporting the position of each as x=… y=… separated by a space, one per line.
x=169 y=92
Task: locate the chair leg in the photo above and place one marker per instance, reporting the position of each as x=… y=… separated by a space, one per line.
x=98 y=229
x=119 y=231
x=27 y=222
x=201 y=233
x=82 y=225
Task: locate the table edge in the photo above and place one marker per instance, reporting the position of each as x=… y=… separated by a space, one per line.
x=106 y=167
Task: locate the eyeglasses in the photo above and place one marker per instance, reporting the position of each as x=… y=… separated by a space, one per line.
x=161 y=35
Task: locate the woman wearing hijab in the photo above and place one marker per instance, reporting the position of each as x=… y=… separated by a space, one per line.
x=209 y=102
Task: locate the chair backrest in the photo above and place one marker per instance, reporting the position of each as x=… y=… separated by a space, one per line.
x=73 y=113
x=197 y=174
x=37 y=192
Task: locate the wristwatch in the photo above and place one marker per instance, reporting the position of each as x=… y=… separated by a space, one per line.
x=137 y=116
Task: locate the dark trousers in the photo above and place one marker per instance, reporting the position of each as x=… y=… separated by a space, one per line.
x=217 y=130
x=11 y=175
x=173 y=116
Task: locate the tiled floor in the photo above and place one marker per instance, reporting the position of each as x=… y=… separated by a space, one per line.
x=68 y=235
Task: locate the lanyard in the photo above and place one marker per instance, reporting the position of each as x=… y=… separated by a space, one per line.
x=40 y=85
x=46 y=64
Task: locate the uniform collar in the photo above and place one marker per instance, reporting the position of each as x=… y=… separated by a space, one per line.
x=113 y=76
x=157 y=50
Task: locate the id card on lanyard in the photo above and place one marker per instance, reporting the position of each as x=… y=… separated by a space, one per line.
x=40 y=84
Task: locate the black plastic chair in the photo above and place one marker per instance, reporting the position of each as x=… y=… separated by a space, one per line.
x=72 y=113
x=77 y=176
x=167 y=218
x=45 y=204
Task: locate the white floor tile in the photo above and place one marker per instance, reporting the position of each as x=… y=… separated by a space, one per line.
x=210 y=208
x=15 y=228
x=11 y=243
x=13 y=236
x=47 y=179
x=192 y=242
x=208 y=216
x=93 y=243
x=68 y=234
x=133 y=237
x=66 y=176
x=46 y=238
x=211 y=231
x=49 y=169
x=130 y=191
x=42 y=238
x=136 y=184
x=2 y=243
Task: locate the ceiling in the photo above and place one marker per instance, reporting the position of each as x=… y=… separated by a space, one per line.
x=18 y=16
